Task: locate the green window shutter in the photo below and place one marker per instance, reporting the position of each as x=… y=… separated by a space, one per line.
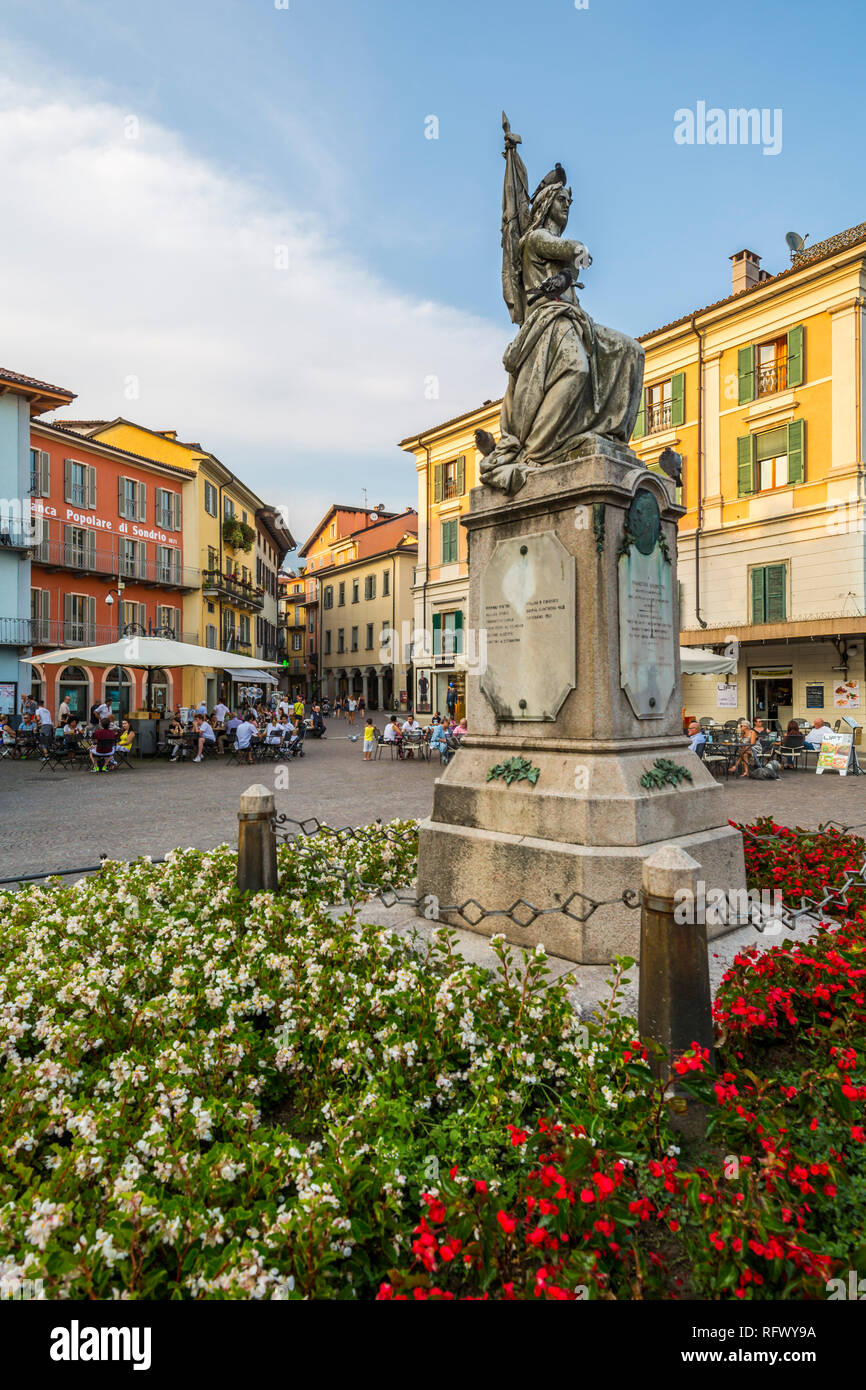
x=141 y=502
x=437 y=634
x=90 y=549
x=640 y=423
x=796 y=343
x=438 y=476
x=461 y=475
x=458 y=630
x=120 y=496
x=796 y=451
x=44 y=473
x=91 y=488
x=678 y=399
x=746 y=375
x=757 y=595
x=177 y=512
x=776 y=585
x=91 y=617
x=449 y=542
x=67 y=480
x=745 y=465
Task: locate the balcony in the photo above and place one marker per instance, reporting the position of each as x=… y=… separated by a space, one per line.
x=86 y=559
x=54 y=632
x=16 y=534
x=658 y=417
x=216 y=584
x=772 y=378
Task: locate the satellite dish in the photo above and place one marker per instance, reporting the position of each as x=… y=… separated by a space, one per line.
x=795 y=242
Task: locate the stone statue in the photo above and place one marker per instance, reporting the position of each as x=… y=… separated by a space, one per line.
x=569 y=379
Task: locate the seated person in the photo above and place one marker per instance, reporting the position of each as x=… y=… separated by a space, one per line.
x=101 y=754
x=71 y=732
x=202 y=733
x=9 y=738
x=437 y=737
x=816 y=735
x=174 y=739
x=392 y=734
x=274 y=732
x=318 y=723
x=697 y=737
x=127 y=737
x=246 y=735
x=746 y=757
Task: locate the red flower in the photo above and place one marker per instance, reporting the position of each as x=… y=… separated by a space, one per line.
x=507 y=1222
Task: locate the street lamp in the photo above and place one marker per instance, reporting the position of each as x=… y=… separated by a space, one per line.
x=109 y=599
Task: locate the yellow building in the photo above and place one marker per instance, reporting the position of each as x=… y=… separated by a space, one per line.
x=363 y=563
x=222 y=519
x=762 y=395
x=293 y=625
x=446 y=465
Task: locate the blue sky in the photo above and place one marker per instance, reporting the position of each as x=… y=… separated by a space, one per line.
x=306 y=127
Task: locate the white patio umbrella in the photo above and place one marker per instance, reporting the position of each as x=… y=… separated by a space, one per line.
x=149 y=654
x=697 y=661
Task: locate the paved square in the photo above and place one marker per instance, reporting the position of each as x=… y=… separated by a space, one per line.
x=53 y=821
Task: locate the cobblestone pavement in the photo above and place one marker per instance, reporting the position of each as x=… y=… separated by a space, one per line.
x=53 y=821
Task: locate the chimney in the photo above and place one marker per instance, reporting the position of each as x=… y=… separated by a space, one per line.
x=746 y=271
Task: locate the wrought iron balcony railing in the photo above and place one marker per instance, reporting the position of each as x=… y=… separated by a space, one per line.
x=226 y=585
x=56 y=632
x=771 y=379
x=658 y=417
x=87 y=559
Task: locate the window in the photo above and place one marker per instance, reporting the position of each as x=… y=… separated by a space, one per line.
x=328 y=642
x=328 y=596
x=131 y=499
x=228 y=508
x=167 y=617
x=341 y=639
x=769 y=593
x=333 y=531
x=167 y=506
x=450 y=553
x=354 y=639
x=662 y=406
x=369 y=637
x=79 y=618
x=448 y=633
x=244 y=628
x=131 y=555
x=449 y=479
x=167 y=564
x=386 y=583
x=79 y=484
x=40 y=615
x=79 y=547
x=210 y=499
x=771 y=363
x=297 y=641
x=355 y=587
x=774 y=365
x=133 y=615
x=40 y=473
x=370 y=586
x=341 y=595
x=772 y=459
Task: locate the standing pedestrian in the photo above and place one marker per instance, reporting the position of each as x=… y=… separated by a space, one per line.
x=46 y=727
x=369 y=741
x=351 y=706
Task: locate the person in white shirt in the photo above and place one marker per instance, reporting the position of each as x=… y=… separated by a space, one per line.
x=274 y=733
x=392 y=732
x=103 y=711
x=351 y=706
x=220 y=710
x=46 y=725
x=283 y=706
x=244 y=735
x=815 y=736
x=64 y=712
x=205 y=734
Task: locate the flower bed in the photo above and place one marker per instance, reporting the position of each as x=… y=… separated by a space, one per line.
x=209 y=1096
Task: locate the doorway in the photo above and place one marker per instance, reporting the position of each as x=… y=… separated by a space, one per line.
x=771 y=693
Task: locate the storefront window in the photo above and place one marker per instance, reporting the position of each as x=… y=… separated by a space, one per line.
x=74 y=688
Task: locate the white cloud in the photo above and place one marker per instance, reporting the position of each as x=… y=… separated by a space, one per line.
x=135 y=258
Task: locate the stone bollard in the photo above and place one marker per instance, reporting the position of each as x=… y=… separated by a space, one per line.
x=257 y=841
x=674 y=1001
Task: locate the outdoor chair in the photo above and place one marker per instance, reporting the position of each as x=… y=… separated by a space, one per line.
x=382 y=743
x=122 y=758
x=55 y=755
x=791 y=750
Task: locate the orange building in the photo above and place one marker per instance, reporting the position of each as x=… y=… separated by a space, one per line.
x=110 y=560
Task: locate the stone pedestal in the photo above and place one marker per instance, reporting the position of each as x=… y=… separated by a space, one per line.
x=574 y=615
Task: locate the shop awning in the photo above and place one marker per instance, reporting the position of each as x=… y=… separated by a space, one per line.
x=695 y=661
x=250 y=677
